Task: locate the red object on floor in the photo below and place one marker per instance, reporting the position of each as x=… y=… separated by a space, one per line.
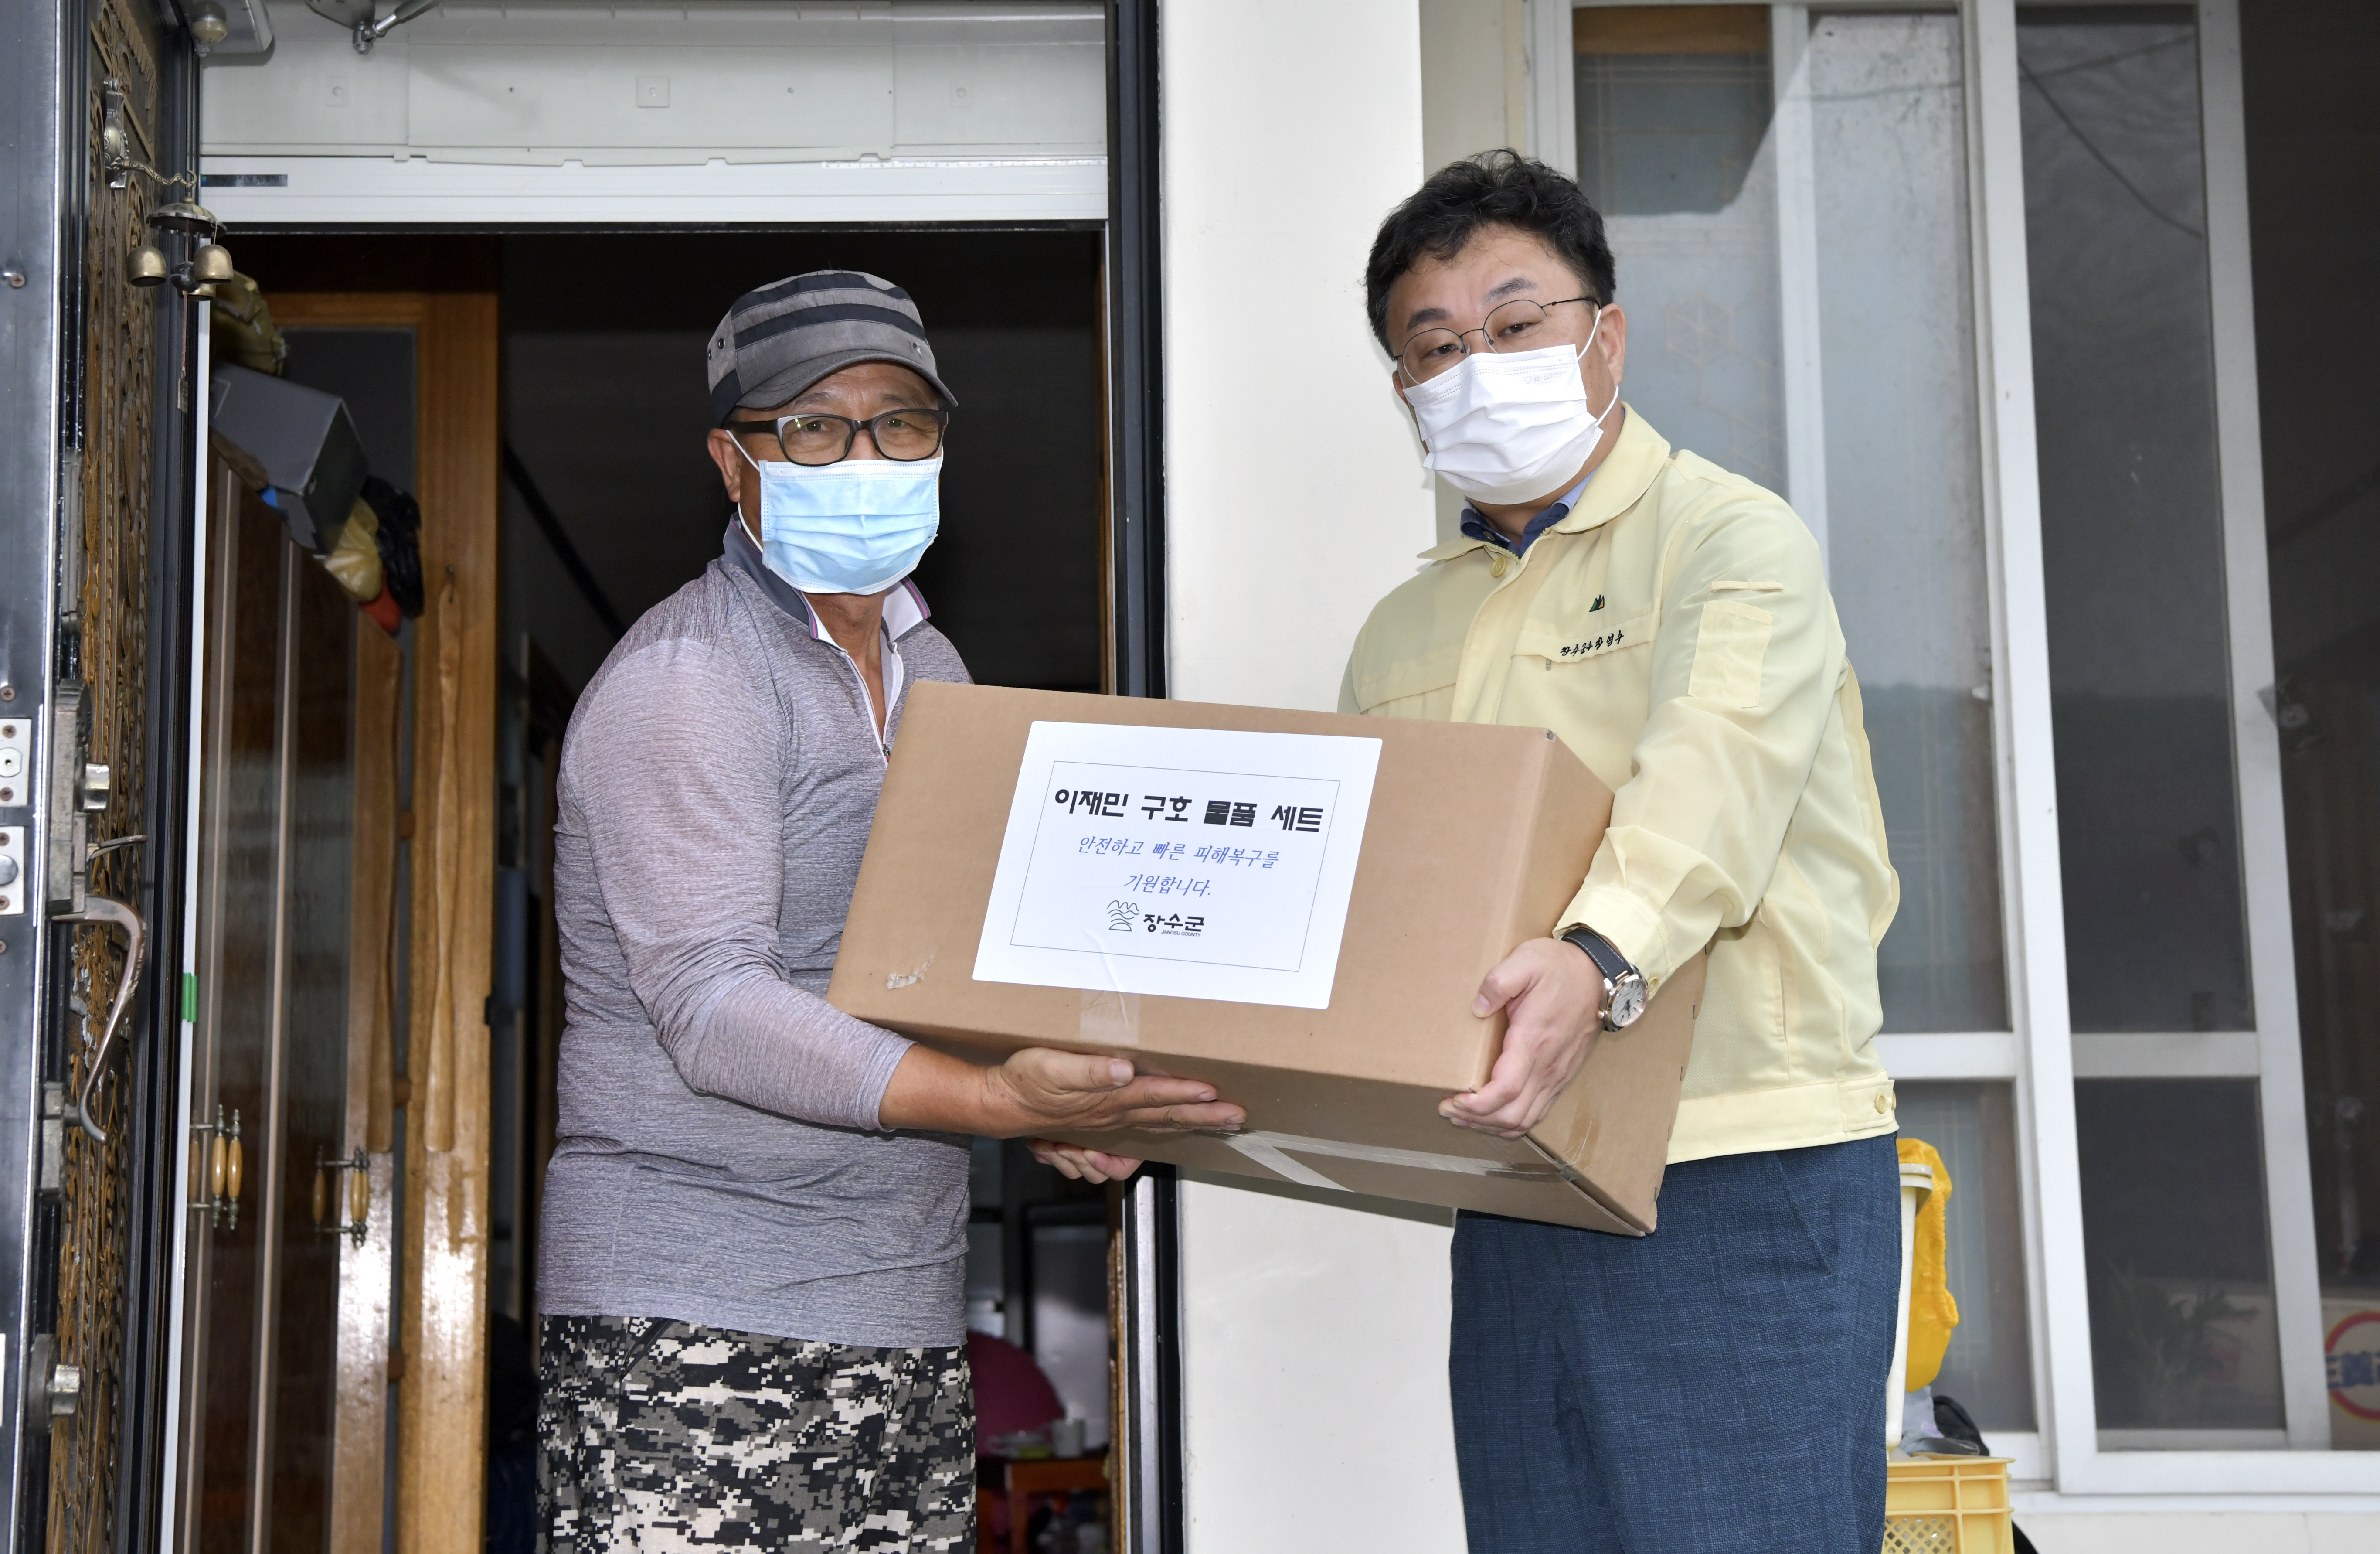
x=1011 y=1393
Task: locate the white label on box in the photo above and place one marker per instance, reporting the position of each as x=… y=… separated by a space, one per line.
x=1194 y=862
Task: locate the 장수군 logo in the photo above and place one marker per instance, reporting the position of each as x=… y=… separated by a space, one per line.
x=1123 y=916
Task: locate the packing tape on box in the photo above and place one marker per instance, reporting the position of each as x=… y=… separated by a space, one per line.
x=1110 y=1019
x=1270 y=1151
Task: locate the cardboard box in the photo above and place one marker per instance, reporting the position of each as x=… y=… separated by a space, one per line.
x=1473 y=839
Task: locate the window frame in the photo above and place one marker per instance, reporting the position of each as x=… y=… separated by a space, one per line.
x=2042 y=1055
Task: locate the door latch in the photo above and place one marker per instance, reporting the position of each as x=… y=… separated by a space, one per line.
x=80 y=789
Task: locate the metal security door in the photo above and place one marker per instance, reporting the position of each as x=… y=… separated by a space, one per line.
x=95 y=128
x=273 y=1197
x=101 y=1049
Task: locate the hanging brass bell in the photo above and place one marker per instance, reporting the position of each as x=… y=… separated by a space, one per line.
x=186 y=215
x=210 y=265
x=209 y=26
x=145 y=266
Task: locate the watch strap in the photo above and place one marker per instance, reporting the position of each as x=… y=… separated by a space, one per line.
x=1602 y=951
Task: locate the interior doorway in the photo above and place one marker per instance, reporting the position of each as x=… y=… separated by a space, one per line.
x=330 y=1215
x=609 y=503
x=606 y=406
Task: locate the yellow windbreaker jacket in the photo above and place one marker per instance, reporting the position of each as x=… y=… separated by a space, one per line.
x=1675 y=631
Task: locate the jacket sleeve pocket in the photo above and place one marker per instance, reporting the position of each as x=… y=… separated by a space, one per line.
x=1730 y=646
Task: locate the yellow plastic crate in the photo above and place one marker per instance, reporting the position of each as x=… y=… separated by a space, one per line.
x=1946 y=1505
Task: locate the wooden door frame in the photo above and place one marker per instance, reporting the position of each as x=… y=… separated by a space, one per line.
x=439 y=1357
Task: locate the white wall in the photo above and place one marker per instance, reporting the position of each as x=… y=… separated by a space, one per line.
x=2200 y=1531
x=1474 y=92
x=644 y=84
x=760 y=111
x=1314 y=1333
x=1295 y=495
x=1475 y=97
x=1314 y=1373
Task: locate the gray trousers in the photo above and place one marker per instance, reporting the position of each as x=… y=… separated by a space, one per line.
x=660 y=1437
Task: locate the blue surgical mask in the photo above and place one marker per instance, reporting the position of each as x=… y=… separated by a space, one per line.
x=855 y=527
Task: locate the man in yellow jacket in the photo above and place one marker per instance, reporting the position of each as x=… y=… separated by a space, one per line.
x=1720 y=1382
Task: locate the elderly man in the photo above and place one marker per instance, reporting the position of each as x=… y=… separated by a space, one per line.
x=754 y=1238
x=1718 y=1384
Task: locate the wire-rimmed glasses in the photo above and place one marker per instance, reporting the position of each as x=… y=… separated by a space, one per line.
x=1522 y=324
x=811 y=437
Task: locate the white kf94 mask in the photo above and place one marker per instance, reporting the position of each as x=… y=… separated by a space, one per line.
x=1509 y=427
x=854 y=527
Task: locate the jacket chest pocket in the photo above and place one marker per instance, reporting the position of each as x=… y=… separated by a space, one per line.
x=1410 y=687
x=1589 y=687
x=1560 y=644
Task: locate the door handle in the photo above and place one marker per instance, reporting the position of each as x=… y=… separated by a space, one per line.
x=328 y=1169
x=81 y=787
x=223 y=1163
x=107 y=911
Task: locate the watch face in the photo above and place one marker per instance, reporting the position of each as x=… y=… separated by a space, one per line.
x=1627 y=1003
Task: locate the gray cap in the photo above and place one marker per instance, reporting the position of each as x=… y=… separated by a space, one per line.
x=777 y=341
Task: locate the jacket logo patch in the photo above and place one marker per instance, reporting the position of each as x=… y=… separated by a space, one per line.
x=1594 y=645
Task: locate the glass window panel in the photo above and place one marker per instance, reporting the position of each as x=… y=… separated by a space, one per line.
x=1672 y=104
x=2182 y=1331
x=1905 y=493
x=2124 y=386
x=1070 y=1321
x=2330 y=775
x=1989 y=1366
x=2312 y=124
x=1674 y=148
x=1677 y=148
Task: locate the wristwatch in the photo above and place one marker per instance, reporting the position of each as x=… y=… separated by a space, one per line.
x=1623 y=985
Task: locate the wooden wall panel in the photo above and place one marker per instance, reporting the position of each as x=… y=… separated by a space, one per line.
x=443 y=1425
x=441 y=1352
x=359 y=1448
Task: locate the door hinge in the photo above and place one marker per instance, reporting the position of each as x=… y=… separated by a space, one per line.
x=54 y=1142
x=53 y=1391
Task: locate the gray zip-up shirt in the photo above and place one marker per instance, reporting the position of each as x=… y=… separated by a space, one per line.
x=717 y=1158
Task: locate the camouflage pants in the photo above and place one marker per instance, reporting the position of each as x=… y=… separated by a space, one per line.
x=661 y=1438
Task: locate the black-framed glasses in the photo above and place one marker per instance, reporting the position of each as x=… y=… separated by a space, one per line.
x=1522 y=324
x=812 y=438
